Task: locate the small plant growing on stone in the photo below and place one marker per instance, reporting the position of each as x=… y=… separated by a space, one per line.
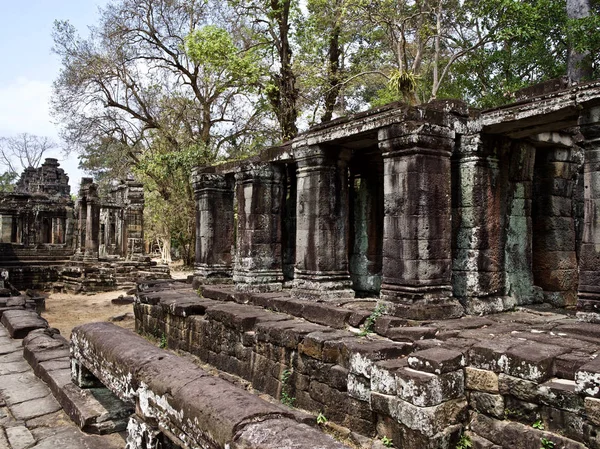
x=546 y=443
x=387 y=442
x=286 y=397
x=538 y=425
x=321 y=418
x=163 y=342
x=464 y=442
x=369 y=325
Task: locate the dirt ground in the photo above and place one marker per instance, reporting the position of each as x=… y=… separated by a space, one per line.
x=64 y=311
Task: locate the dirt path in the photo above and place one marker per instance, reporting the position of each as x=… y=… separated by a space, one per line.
x=65 y=311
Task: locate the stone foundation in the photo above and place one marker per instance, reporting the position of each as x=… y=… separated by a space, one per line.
x=507 y=380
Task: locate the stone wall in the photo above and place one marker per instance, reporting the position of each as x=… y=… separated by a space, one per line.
x=507 y=381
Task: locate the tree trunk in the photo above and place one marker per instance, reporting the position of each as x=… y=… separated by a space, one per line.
x=285 y=102
x=166 y=250
x=579 y=64
x=332 y=74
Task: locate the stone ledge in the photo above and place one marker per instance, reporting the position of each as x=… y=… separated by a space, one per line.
x=189 y=404
x=20 y=322
x=48 y=355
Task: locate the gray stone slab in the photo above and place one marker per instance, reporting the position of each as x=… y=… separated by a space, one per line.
x=3 y=441
x=20 y=437
x=11 y=357
x=19 y=366
x=10 y=347
x=72 y=438
x=17 y=388
x=34 y=408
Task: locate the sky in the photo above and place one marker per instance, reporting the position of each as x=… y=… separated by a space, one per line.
x=28 y=67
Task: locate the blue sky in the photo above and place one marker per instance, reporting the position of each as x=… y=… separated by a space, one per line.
x=28 y=67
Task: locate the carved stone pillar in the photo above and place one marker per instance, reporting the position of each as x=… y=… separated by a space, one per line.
x=214 y=228
x=588 y=304
x=478 y=222
x=258 y=261
x=554 y=238
x=366 y=224
x=322 y=225
x=92 y=224
x=417 y=220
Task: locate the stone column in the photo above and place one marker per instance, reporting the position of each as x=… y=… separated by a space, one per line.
x=214 y=228
x=258 y=261
x=554 y=238
x=322 y=225
x=366 y=224
x=478 y=222
x=588 y=304
x=134 y=197
x=92 y=225
x=417 y=220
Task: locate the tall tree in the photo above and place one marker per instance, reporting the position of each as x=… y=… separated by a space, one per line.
x=269 y=26
x=156 y=79
x=579 y=63
x=24 y=150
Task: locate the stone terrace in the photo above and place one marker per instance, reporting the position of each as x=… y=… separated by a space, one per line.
x=420 y=383
x=30 y=416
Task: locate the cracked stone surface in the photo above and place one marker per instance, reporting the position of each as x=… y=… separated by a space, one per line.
x=30 y=417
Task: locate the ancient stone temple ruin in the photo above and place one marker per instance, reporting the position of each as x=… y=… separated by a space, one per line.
x=354 y=273
x=36 y=225
x=438 y=210
x=93 y=244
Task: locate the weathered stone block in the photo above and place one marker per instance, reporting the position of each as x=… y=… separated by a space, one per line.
x=515 y=435
x=481 y=380
x=592 y=410
x=425 y=389
x=359 y=387
x=587 y=379
x=427 y=420
x=437 y=360
x=532 y=361
x=490 y=404
x=525 y=390
x=384 y=375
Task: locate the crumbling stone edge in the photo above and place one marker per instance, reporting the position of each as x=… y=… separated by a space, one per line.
x=178 y=401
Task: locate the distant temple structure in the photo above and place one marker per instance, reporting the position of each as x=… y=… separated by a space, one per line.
x=49 y=241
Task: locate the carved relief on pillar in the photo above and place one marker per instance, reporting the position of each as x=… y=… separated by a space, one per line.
x=214 y=227
x=258 y=260
x=588 y=304
x=417 y=258
x=322 y=215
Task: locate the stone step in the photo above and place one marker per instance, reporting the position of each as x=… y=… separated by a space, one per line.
x=20 y=322
x=94 y=410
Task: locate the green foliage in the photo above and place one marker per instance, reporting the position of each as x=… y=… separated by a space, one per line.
x=222 y=63
x=7 y=181
x=321 y=418
x=387 y=442
x=286 y=396
x=163 y=343
x=464 y=442
x=538 y=425
x=547 y=444
x=369 y=324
